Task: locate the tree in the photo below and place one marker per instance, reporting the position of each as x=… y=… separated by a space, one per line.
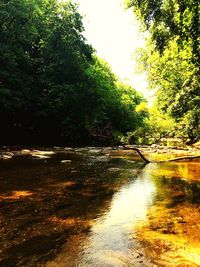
x=43 y=54
x=170 y=19
x=52 y=86
x=172 y=59
x=115 y=103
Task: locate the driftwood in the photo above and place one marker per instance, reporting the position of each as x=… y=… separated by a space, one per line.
x=168 y=160
x=181 y=158
x=138 y=151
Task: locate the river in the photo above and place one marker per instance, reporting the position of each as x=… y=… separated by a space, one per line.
x=98 y=207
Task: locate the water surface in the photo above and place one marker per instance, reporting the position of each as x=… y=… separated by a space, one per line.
x=98 y=207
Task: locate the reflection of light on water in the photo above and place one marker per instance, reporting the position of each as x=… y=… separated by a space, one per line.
x=188 y=170
x=110 y=235
x=16 y=194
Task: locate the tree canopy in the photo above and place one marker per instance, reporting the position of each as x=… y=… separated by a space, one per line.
x=53 y=89
x=172 y=59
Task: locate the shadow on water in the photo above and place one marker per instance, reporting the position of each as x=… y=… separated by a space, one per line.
x=111 y=241
x=98 y=207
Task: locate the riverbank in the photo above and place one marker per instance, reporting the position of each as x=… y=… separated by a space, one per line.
x=154 y=151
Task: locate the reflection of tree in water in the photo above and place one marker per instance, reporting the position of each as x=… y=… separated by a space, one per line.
x=110 y=239
x=170 y=235
x=44 y=202
x=51 y=208
x=177 y=190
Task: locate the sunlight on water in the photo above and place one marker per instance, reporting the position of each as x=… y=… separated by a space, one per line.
x=111 y=241
x=139 y=219
x=16 y=195
x=101 y=210
x=132 y=201
x=171 y=234
x=183 y=170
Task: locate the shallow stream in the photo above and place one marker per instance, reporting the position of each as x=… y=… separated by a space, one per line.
x=98 y=207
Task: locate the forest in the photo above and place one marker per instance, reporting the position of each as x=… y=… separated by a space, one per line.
x=73 y=192
x=55 y=90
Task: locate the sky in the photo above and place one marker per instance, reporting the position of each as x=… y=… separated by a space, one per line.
x=114 y=33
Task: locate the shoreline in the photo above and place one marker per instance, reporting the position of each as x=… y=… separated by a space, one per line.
x=8 y=152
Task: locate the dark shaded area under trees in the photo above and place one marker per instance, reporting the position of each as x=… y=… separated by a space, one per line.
x=53 y=89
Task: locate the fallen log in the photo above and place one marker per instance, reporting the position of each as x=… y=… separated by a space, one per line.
x=167 y=160
x=139 y=152
x=180 y=158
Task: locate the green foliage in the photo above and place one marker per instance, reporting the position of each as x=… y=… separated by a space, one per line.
x=129 y=100
x=156 y=125
x=116 y=103
x=52 y=88
x=176 y=82
x=159 y=125
x=169 y=19
x=172 y=59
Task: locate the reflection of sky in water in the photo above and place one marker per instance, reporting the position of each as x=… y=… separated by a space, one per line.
x=112 y=241
x=110 y=234
x=153 y=214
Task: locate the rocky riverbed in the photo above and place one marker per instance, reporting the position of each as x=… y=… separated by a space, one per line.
x=98 y=206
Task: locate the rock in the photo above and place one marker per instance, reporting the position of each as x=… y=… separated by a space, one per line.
x=154 y=145
x=68 y=148
x=66 y=161
x=7 y=155
x=40 y=156
x=25 y=151
x=40 y=152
